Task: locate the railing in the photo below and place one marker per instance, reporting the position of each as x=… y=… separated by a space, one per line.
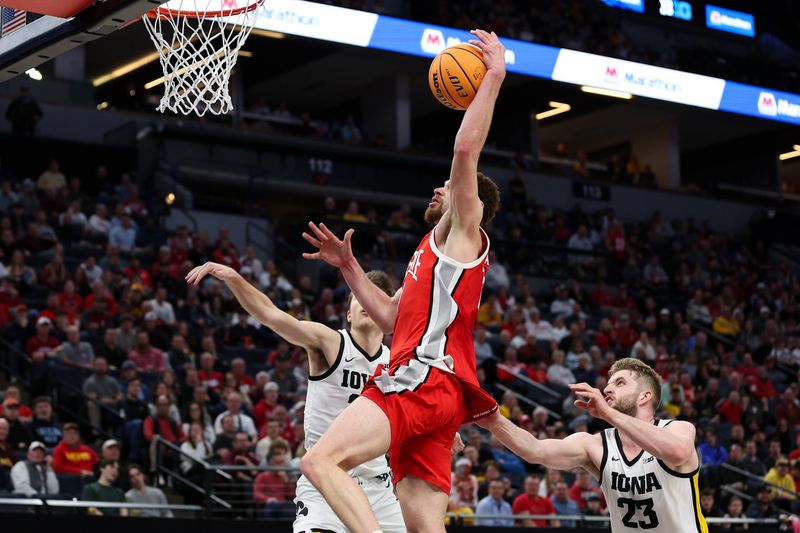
x=582 y=520
x=251 y=226
x=756 y=479
x=209 y=471
x=47 y=505
x=528 y=401
x=15 y=359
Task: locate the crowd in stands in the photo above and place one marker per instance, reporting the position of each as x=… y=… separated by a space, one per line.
x=95 y=309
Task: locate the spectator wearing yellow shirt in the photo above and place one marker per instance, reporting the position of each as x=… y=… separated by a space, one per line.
x=352 y=214
x=673 y=405
x=726 y=325
x=489 y=316
x=779 y=475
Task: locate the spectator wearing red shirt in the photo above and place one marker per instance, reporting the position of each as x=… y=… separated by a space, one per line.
x=43 y=344
x=582 y=488
x=165 y=427
x=275 y=490
x=101 y=292
x=748 y=367
x=207 y=375
x=511 y=368
x=538 y=372
x=796 y=452
x=69 y=300
x=761 y=385
x=12 y=395
x=601 y=297
x=225 y=253
x=165 y=266
x=625 y=334
x=531 y=503
x=53 y=307
x=624 y=301
x=788 y=408
x=244 y=380
x=264 y=408
x=731 y=409
x=605 y=338
x=72 y=457
x=616 y=242
x=281 y=416
x=146 y=357
x=135 y=270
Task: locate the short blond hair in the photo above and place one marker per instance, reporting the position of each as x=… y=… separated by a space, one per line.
x=645 y=375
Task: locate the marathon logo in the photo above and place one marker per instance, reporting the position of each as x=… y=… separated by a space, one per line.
x=612 y=75
x=434 y=41
x=777 y=107
x=720 y=19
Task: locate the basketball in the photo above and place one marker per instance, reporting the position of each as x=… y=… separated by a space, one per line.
x=455 y=75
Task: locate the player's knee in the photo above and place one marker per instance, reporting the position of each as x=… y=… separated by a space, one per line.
x=309 y=466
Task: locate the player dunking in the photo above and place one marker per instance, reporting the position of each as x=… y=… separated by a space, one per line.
x=413 y=409
x=339 y=364
x=648 y=468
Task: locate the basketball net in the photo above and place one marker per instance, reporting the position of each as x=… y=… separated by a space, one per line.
x=198 y=42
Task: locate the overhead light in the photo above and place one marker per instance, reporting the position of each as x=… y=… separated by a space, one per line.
x=558 y=108
x=169 y=199
x=125 y=69
x=102 y=105
x=606 y=92
x=268 y=33
x=245 y=53
x=34 y=74
x=790 y=155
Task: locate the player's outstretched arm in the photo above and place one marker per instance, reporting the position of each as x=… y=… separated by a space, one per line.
x=673 y=444
x=309 y=335
x=561 y=454
x=464 y=202
x=381 y=307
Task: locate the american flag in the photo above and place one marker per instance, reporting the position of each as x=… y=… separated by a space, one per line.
x=12 y=20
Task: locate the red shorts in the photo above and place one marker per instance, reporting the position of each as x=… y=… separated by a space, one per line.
x=423 y=424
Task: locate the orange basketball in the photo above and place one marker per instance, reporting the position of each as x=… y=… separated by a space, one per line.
x=455 y=75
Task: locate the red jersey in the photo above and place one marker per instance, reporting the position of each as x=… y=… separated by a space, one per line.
x=435 y=318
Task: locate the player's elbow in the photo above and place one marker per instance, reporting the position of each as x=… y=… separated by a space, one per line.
x=680 y=452
x=466 y=149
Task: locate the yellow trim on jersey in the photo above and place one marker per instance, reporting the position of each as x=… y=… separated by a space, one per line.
x=697 y=509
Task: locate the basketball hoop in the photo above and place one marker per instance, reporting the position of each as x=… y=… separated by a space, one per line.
x=198 y=42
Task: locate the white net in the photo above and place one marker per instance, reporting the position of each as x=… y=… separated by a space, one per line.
x=198 y=43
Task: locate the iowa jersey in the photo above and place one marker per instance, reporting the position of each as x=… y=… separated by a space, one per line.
x=645 y=494
x=329 y=393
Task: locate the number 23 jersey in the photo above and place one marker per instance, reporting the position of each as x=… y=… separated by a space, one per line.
x=645 y=494
x=329 y=393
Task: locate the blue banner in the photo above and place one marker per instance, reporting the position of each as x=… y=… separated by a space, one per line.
x=719 y=18
x=633 y=5
x=760 y=102
x=415 y=38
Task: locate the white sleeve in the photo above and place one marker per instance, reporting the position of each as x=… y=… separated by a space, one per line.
x=21 y=479
x=249 y=426
x=218 y=423
x=52 y=482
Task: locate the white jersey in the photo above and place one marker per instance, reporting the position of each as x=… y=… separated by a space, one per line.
x=645 y=494
x=329 y=393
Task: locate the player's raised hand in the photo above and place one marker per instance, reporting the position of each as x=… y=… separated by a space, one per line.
x=592 y=400
x=334 y=251
x=221 y=272
x=494 y=53
x=458 y=444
